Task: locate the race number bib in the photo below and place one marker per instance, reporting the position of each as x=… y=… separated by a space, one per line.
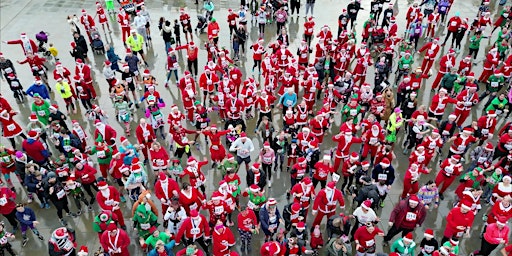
x=145 y=226
x=195 y=231
x=382 y=176
x=11 y=127
x=218 y=210
x=61 y=194
x=410 y=216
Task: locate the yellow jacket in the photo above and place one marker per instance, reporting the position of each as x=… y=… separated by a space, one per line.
x=64 y=89
x=135 y=44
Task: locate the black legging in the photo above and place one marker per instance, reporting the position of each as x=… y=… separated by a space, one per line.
x=261 y=28
x=322 y=183
x=87 y=103
x=200 y=241
x=458 y=38
x=308 y=39
x=257 y=63
x=8 y=247
x=347 y=181
x=180 y=151
x=279 y=26
x=80 y=198
x=192 y=64
x=448 y=36
x=473 y=52
x=13 y=141
x=486 y=248
x=267 y=168
x=11 y=217
x=394 y=231
x=87 y=188
x=61 y=205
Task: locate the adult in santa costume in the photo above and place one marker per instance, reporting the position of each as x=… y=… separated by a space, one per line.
x=88 y=23
x=405 y=217
x=446 y=63
x=28 y=45
x=217 y=150
x=165 y=189
x=102 y=18
x=11 y=129
x=466 y=100
x=372 y=138
x=145 y=136
x=492 y=59
x=62 y=72
x=217 y=208
x=8 y=206
x=345 y=139
x=449 y=170
x=458 y=222
x=84 y=72
x=223 y=240
x=108 y=134
x=108 y=199
x=326 y=202
x=115 y=241
x=431 y=50
x=438 y=104
x=194 y=229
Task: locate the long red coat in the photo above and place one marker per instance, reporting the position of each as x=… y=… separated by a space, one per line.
x=111 y=243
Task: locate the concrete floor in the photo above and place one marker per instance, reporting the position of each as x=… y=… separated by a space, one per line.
x=50 y=15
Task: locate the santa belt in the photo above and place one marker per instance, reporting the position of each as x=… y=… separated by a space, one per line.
x=317 y=133
x=327 y=211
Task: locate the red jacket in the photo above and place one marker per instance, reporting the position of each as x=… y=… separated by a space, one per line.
x=322 y=170
x=246 y=223
x=109 y=203
x=328 y=204
x=159 y=158
x=86 y=175
x=454 y=23
x=407 y=217
x=145 y=136
x=222 y=242
x=166 y=191
x=191 y=52
x=193 y=229
x=111 y=243
x=456 y=218
x=8 y=204
x=213 y=29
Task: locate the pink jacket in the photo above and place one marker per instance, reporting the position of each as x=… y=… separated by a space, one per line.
x=493 y=235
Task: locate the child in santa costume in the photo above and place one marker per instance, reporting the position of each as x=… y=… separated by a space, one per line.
x=108 y=199
x=104 y=154
x=115 y=241
x=194 y=229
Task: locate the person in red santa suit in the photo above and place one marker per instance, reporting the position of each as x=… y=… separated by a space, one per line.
x=207 y=82
x=190 y=198
x=466 y=99
x=465 y=65
x=418 y=156
x=431 y=50
x=264 y=104
x=372 y=138
x=364 y=238
x=318 y=125
x=321 y=171
x=61 y=71
x=234 y=108
x=311 y=86
x=108 y=134
x=102 y=17
x=449 y=170
x=288 y=81
x=123 y=19
x=115 y=241
x=28 y=45
x=325 y=34
x=302 y=193
x=283 y=55
x=412 y=13
x=446 y=63
x=309 y=28
x=235 y=76
x=188 y=94
x=361 y=68
x=194 y=229
x=326 y=202
x=165 y=189
x=303 y=54
x=145 y=137
x=248 y=96
x=433 y=23
x=461 y=141
x=411 y=178
x=438 y=104
x=432 y=144
x=492 y=59
x=175 y=117
x=79 y=132
x=217 y=209
x=11 y=129
x=458 y=222
x=304 y=138
x=217 y=150
x=223 y=240
x=196 y=176
x=84 y=72
x=108 y=199
x=88 y=23
x=345 y=140
x=487 y=125
x=501 y=209
x=332 y=97
x=272 y=248
x=160 y=160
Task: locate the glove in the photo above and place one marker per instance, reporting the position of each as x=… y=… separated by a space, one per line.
x=207 y=120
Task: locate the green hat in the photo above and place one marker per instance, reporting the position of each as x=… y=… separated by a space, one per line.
x=36 y=95
x=197 y=103
x=190 y=250
x=213 y=20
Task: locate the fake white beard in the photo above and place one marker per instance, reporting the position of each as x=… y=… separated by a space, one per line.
x=105 y=193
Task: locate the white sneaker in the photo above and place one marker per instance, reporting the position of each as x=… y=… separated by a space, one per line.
x=270 y=184
x=140 y=88
x=29 y=200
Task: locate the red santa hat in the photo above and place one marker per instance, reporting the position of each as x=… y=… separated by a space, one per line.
x=54 y=107
x=32 y=134
x=466 y=205
x=429 y=233
x=327 y=157
x=301 y=225
x=84 y=251
x=456 y=157
x=454 y=241
x=123 y=139
x=191 y=160
x=452 y=116
x=313 y=144
x=489 y=146
x=254 y=188
x=274 y=248
x=443 y=90
x=408 y=237
x=102 y=185
x=385 y=163
x=243 y=135
x=84 y=11
x=420 y=147
x=435 y=131
x=194 y=214
x=217 y=196
x=33 y=117
x=173 y=107
x=354 y=156
x=331 y=185
x=1 y=54
x=451 y=51
x=307 y=181
x=365 y=164
x=23 y=35
x=266 y=145
x=310 y=18
x=79 y=61
x=152 y=229
x=230 y=157
x=295 y=207
x=467 y=130
x=256 y=166
x=491 y=113
x=413 y=199
x=271 y=201
x=162 y=176
x=502 y=220
x=213 y=127
x=392 y=19
x=302 y=160
x=146 y=72
x=367 y=204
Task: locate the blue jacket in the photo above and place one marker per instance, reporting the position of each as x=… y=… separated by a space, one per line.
x=26 y=217
x=287 y=97
x=41 y=89
x=168 y=249
x=31 y=182
x=265 y=222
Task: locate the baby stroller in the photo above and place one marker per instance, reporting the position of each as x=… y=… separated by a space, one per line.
x=201 y=23
x=42 y=38
x=97 y=45
x=128 y=6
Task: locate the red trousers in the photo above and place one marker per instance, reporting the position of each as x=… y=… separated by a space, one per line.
x=486 y=73
x=190 y=114
x=410 y=188
x=310 y=105
x=369 y=149
x=426 y=65
x=91 y=87
x=439 y=76
x=125 y=32
x=222 y=113
x=291 y=161
x=320 y=215
x=447 y=181
x=120 y=217
x=462 y=115
x=164 y=209
x=360 y=78
x=338 y=162
x=430 y=32
x=145 y=151
x=320 y=137
x=104 y=170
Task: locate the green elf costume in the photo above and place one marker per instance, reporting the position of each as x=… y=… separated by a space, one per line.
x=143 y=220
x=42 y=110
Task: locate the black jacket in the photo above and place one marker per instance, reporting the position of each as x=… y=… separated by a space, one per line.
x=250 y=179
